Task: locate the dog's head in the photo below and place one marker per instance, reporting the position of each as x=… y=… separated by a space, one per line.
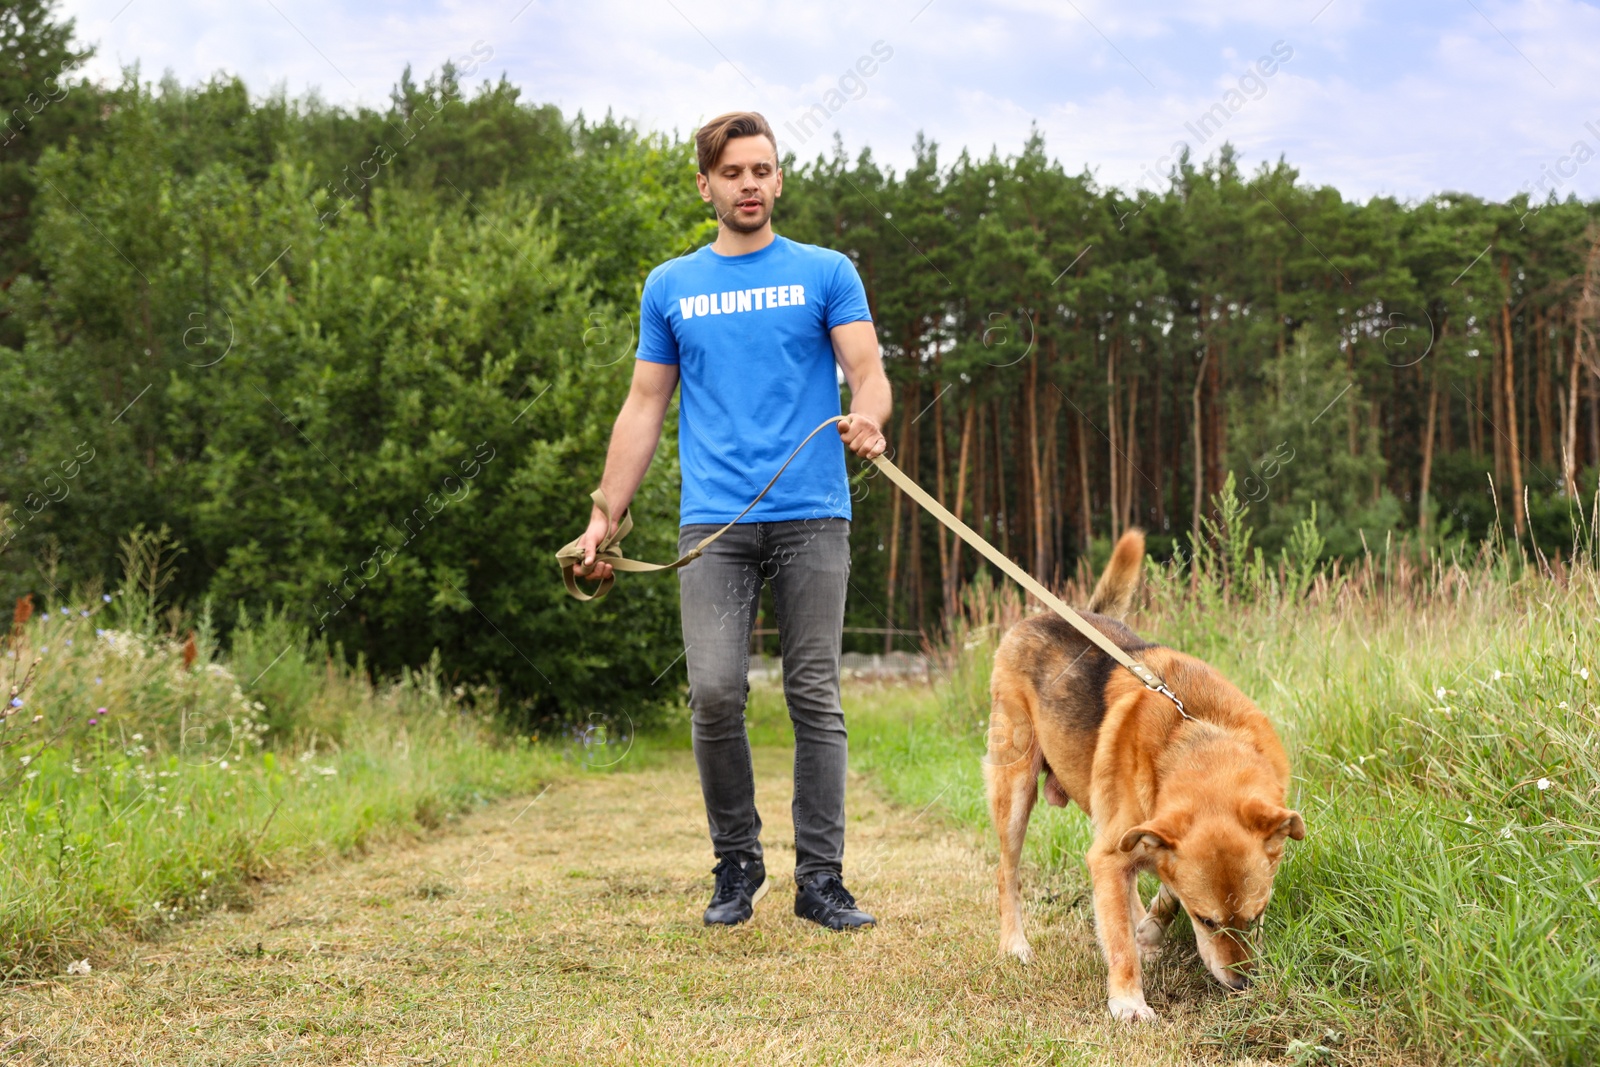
x=1220 y=863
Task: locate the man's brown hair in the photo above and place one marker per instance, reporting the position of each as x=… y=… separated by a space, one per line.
x=712 y=138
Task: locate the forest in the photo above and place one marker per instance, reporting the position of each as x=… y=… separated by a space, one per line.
x=358 y=366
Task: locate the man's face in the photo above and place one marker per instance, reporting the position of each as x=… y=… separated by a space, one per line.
x=742 y=186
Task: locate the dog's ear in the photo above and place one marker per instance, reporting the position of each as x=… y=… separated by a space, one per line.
x=1272 y=821
x=1150 y=835
x=1294 y=826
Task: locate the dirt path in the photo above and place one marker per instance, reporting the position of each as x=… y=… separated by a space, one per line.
x=567 y=930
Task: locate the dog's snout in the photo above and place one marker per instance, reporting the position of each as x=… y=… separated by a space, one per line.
x=1238 y=982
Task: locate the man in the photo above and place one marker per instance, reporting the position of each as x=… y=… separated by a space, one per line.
x=753 y=326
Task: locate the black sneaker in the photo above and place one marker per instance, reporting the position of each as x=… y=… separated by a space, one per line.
x=741 y=881
x=824 y=900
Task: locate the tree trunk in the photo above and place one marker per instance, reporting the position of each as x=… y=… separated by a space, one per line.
x=1046 y=498
x=1199 y=469
x=1115 y=464
x=894 y=515
x=1447 y=433
x=946 y=592
x=1497 y=411
x=1427 y=454
x=1087 y=511
x=954 y=569
x=1156 y=454
x=1594 y=419
x=1035 y=475
x=1218 y=434
x=1543 y=389
x=1000 y=485
x=1569 y=436
x=980 y=484
x=914 y=556
x=1513 y=449
x=1130 y=453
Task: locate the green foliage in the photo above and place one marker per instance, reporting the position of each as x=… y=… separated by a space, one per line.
x=367 y=418
x=42 y=104
x=1087 y=328
x=1441 y=737
x=141 y=788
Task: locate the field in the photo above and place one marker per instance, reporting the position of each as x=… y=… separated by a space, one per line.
x=1442 y=728
x=387 y=874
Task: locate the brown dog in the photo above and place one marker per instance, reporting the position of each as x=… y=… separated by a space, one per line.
x=1199 y=801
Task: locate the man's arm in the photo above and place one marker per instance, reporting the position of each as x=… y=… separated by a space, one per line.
x=633 y=444
x=855 y=346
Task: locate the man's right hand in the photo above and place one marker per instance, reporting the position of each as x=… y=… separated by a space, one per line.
x=599 y=529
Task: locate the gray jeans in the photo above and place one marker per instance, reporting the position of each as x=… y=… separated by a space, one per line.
x=807 y=561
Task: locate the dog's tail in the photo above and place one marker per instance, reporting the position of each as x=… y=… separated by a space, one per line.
x=1113 y=593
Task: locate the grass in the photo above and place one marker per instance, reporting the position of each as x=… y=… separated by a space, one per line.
x=145 y=780
x=1442 y=725
x=1441 y=721
x=566 y=928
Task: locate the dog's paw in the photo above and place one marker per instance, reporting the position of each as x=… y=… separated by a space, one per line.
x=1131 y=1010
x=1020 y=949
x=1149 y=937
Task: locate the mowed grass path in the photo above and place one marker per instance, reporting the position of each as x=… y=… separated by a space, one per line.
x=566 y=929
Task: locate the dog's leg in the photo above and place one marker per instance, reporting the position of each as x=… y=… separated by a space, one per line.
x=1115 y=896
x=1151 y=929
x=1012 y=771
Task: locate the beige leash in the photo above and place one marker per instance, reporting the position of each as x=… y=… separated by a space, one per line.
x=610 y=551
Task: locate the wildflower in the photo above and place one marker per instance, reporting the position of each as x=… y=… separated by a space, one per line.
x=31 y=775
x=43 y=650
x=106 y=597
x=138 y=737
x=45 y=617
x=1469 y=818
x=1583 y=672
x=25 y=760
x=100 y=711
x=79 y=967
x=84 y=613
x=16 y=702
x=97 y=680
x=1439 y=693
x=224 y=765
x=94 y=722
x=1562 y=705
x=1498 y=676
x=1543 y=783
x=1505 y=831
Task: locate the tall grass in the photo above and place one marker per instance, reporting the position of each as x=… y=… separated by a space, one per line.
x=146 y=777
x=1442 y=718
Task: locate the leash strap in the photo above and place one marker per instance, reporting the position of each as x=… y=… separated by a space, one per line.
x=610 y=551
x=1141 y=671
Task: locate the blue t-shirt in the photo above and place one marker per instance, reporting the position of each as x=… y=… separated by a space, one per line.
x=750 y=337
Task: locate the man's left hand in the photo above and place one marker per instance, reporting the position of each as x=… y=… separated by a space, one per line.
x=863 y=435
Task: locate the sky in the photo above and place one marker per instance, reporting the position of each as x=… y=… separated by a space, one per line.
x=1398 y=99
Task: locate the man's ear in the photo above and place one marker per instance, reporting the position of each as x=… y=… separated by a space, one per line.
x=1272 y=821
x=1150 y=836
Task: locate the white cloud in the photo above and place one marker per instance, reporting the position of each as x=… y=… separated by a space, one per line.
x=1377 y=99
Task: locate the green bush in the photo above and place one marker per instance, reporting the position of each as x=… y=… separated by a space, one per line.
x=373 y=427
x=142 y=781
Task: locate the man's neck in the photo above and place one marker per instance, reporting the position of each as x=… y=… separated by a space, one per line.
x=731 y=242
